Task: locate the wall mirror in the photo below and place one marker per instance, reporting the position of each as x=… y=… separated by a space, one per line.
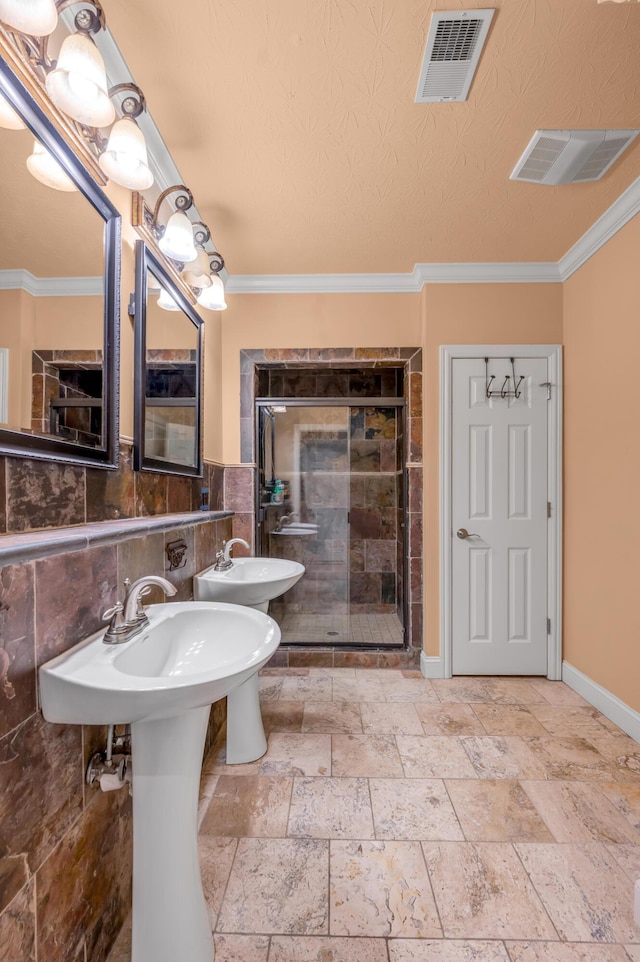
x=168 y=344
x=59 y=295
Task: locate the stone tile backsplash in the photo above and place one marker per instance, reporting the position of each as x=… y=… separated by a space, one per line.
x=65 y=848
x=37 y=494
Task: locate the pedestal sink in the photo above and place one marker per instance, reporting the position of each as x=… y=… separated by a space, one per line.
x=249 y=581
x=162 y=682
x=253 y=582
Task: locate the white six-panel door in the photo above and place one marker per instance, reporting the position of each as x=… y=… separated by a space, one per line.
x=499 y=494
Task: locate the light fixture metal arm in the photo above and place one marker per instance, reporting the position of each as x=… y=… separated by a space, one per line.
x=98 y=21
x=183 y=202
x=134 y=104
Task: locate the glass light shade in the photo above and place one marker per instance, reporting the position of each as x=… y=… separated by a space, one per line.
x=78 y=85
x=37 y=18
x=212 y=297
x=47 y=170
x=166 y=302
x=125 y=160
x=153 y=286
x=9 y=119
x=177 y=240
x=198 y=273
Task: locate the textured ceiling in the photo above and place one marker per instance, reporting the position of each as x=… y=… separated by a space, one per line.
x=294 y=123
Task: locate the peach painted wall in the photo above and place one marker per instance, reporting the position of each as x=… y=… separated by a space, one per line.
x=68 y=323
x=16 y=334
x=255 y=321
x=602 y=466
x=212 y=407
x=470 y=314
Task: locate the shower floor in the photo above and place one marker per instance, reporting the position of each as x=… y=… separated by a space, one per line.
x=326 y=629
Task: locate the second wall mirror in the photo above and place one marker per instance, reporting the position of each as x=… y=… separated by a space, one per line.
x=168 y=352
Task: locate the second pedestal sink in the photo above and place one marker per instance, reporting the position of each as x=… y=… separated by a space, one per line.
x=250 y=581
x=253 y=582
x=163 y=681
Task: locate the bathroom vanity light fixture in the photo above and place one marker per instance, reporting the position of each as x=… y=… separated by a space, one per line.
x=77 y=86
x=78 y=83
x=212 y=297
x=166 y=301
x=38 y=18
x=198 y=272
x=176 y=238
x=9 y=118
x=47 y=170
x=125 y=159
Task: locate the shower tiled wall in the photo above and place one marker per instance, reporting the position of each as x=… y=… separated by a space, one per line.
x=375 y=481
x=353 y=373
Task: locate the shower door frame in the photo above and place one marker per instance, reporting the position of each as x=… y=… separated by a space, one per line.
x=346 y=402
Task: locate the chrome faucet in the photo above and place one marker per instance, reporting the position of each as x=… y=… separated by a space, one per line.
x=223 y=557
x=285 y=520
x=128 y=618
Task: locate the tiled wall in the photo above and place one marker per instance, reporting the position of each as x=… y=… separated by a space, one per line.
x=376 y=479
x=48 y=494
x=65 y=848
x=83 y=424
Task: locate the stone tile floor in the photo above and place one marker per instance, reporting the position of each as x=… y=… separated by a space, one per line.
x=395 y=819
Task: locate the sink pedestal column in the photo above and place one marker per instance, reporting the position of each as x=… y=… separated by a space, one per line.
x=246 y=740
x=170 y=915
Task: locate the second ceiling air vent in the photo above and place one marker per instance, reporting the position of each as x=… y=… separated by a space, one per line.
x=571 y=156
x=451 y=56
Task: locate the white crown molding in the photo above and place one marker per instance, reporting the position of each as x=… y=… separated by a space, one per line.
x=541 y=273
x=544 y=272
x=22 y=280
x=620 y=213
x=323 y=284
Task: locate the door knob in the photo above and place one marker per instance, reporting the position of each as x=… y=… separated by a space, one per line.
x=463 y=534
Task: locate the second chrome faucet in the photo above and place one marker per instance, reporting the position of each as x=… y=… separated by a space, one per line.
x=223 y=557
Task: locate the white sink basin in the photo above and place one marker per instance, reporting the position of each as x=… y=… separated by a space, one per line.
x=251 y=581
x=163 y=682
x=296 y=531
x=190 y=655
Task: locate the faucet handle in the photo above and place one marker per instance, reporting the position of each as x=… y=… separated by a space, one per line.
x=117 y=624
x=111 y=614
x=140 y=612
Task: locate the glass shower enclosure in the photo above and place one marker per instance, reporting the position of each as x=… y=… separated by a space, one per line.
x=331 y=496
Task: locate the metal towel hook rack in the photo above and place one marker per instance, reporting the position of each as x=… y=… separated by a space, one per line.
x=504 y=390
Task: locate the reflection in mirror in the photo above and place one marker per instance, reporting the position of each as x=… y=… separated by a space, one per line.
x=59 y=274
x=168 y=342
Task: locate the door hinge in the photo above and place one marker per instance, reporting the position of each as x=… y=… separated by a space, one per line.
x=547 y=384
x=548 y=626
x=548 y=509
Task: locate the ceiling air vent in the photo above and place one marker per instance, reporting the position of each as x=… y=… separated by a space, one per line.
x=571 y=156
x=452 y=53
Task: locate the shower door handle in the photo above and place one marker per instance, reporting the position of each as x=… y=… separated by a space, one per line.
x=463 y=534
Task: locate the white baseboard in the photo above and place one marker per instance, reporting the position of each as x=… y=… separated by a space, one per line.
x=610 y=705
x=431 y=666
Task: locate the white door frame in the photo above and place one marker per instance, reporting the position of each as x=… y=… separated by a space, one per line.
x=441 y=667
